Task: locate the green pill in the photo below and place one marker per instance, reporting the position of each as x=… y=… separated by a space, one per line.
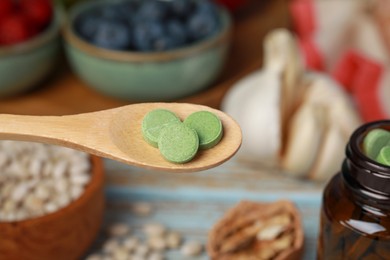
x=178 y=143
x=384 y=156
x=374 y=141
x=154 y=122
x=208 y=126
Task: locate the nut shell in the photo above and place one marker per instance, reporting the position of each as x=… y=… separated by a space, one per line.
x=234 y=236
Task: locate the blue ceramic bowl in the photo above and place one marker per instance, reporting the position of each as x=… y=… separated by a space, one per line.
x=24 y=65
x=156 y=76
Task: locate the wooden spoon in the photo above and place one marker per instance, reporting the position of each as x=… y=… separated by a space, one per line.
x=116 y=134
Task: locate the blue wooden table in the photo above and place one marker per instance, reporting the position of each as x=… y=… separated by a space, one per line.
x=192 y=203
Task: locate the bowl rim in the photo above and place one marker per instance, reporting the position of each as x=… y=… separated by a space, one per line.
x=74 y=40
x=96 y=183
x=51 y=32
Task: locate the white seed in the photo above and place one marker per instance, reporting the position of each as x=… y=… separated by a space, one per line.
x=35 y=167
x=61 y=185
x=94 y=257
x=16 y=169
x=192 y=248
x=51 y=207
x=80 y=178
x=47 y=169
x=76 y=191
x=42 y=192
x=79 y=166
x=33 y=203
x=9 y=206
x=20 y=215
x=63 y=200
x=142 y=208
x=141 y=250
x=3 y=159
x=155 y=256
x=173 y=240
x=10 y=217
x=111 y=245
x=137 y=257
x=130 y=243
x=120 y=254
x=157 y=243
x=154 y=229
x=7 y=189
x=119 y=229
x=59 y=169
x=19 y=192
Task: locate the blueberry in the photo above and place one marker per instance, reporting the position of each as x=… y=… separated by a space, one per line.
x=87 y=25
x=108 y=11
x=202 y=24
x=112 y=34
x=148 y=36
x=163 y=43
x=177 y=32
x=181 y=8
x=126 y=10
x=152 y=10
x=206 y=6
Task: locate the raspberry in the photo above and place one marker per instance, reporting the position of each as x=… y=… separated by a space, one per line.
x=14 y=29
x=39 y=12
x=6 y=8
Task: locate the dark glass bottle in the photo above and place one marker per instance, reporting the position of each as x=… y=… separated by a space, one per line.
x=355 y=214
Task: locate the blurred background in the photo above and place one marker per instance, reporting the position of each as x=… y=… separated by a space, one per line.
x=298 y=81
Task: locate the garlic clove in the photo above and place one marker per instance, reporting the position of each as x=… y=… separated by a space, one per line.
x=281 y=51
x=384 y=92
x=325 y=91
x=331 y=153
x=281 y=55
x=304 y=139
x=343 y=112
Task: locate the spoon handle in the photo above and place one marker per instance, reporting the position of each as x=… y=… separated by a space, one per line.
x=76 y=131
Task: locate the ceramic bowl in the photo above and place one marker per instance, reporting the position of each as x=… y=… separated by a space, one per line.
x=64 y=234
x=155 y=76
x=24 y=65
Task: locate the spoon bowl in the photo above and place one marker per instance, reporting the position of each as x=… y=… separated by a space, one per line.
x=116 y=134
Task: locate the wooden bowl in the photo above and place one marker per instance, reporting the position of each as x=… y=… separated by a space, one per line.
x=64 y=234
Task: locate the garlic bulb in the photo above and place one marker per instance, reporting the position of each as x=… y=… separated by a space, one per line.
x=297 y=120
x=259 y=93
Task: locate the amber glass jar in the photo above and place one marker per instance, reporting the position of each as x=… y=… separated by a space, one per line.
x=355 y=214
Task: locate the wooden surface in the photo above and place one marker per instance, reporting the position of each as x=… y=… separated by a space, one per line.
x=64 y=93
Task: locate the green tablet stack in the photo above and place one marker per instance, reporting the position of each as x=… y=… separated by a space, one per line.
x=178 y=141
x=376 y=145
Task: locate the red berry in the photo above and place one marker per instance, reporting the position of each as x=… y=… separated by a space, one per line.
x=38 y=11
x=14 y=29
x=6 y=8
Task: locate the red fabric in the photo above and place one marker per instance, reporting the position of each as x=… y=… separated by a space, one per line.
x=312 y=55
x=303 y=20
x=361 y=77
x=303 y=17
